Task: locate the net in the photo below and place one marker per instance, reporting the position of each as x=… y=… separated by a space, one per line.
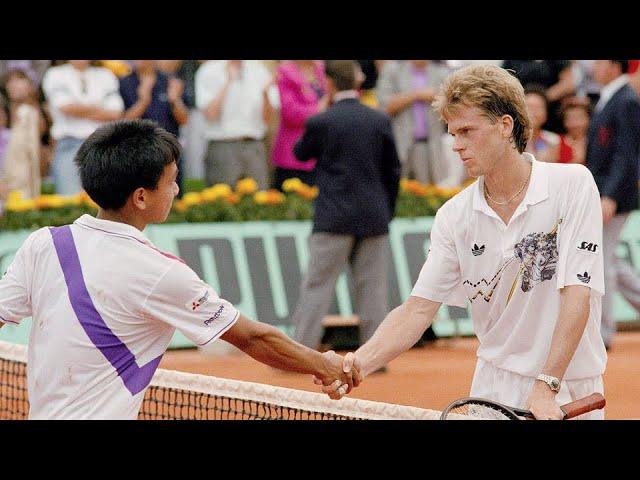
x=176 y=395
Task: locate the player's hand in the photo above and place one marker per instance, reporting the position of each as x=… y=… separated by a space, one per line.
x=542 y=403
x=338 y=379
x=350 y=368
x=609 y=207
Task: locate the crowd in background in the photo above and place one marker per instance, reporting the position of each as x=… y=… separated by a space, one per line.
x=242 y=118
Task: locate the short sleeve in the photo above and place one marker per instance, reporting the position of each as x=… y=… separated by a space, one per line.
x=182 y=300
x=15 y=284
x=439 y=279
x=580 y=260
x=209 y=80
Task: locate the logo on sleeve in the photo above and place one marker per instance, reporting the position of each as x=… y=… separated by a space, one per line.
x=589 y=247
x=215 y=316
x=477 y=250
x=584 y=277
x=197 y=303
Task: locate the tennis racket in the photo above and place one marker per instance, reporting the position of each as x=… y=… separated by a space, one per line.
x=490 y=410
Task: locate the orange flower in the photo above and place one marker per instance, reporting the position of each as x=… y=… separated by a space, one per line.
x=233 y=198
x=275 y=197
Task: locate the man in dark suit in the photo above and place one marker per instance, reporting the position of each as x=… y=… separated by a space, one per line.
x=358 y=173
x=613 y=147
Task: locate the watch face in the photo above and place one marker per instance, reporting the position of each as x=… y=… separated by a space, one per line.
x=555 y=384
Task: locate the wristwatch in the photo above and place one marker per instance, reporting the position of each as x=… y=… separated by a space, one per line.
x=553 y=382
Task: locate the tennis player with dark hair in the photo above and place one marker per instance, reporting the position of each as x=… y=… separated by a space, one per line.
x=522 y=245
x=105 y=302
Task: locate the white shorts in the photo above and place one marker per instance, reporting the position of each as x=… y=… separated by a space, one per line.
x=512 y=389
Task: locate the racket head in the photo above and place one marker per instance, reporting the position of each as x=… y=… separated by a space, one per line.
x=479 y=409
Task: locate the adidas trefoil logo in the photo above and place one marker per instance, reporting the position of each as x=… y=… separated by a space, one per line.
x=584 y=278
x=477 y=250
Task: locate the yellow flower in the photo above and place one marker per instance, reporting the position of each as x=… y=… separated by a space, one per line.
x=246 y=186
x=307 y=192
x=292 y=184
x=79 y=198
x=191 y=198
x=15 y=195
x=20 y=205
x=218 y=191
x=275 y=197
x=50 y=201
x=261 y=197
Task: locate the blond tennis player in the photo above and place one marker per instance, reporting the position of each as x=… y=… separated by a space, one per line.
x=105 y=302
x=522 y=245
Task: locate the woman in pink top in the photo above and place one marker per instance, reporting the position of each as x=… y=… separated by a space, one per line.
x=303 y=93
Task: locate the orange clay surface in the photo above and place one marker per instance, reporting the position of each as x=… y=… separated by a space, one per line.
x=428 y=377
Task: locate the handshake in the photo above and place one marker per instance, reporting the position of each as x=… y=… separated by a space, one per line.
x=340 y=375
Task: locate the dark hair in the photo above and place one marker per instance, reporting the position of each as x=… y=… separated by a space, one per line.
x=121 y=156
x=342 y=72
x=624 y=65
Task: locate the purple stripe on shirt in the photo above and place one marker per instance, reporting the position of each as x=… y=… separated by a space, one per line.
x=135 y=378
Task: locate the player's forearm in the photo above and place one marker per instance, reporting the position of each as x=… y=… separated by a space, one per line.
x=137 y=109
x=399 y=331
x=272 y=347
x=572 y=319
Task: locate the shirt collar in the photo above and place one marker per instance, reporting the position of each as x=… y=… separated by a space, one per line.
x=610 y=89
x=537 y=191
x=113 y=228
x=343 y=95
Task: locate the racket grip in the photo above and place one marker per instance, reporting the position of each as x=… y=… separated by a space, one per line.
x=595 y=401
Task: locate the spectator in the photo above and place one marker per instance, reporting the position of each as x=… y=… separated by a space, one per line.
x=151 y=94
x=556 y=78
x=33 y=68
x=358 y=173
x=26 y=123
x=236 y=97
x=405 y=91
x=613 y=146
x=543 y=144
x=192 y=133
x=303 y=93
x=634 y=75
x=81 y=98
x=5 y=133
x=573 y=144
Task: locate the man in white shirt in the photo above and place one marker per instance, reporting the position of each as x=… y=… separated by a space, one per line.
x=523 y=245
x=105 y=302
x=81 y=98
x=237 y=98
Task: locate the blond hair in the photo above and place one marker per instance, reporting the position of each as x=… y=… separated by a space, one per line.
x=491 y=89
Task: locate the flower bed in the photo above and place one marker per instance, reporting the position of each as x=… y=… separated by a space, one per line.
x=219 y=203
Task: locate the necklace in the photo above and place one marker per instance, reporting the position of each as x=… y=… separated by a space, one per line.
x=517 y=193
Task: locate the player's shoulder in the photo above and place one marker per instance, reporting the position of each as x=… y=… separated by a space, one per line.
x=568 y=174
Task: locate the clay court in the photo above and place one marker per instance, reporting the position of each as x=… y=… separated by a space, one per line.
x=428 y=377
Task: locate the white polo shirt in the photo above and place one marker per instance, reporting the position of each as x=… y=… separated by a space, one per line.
x=63 y=85
x=241 y=111
x=105 y=304
x=512 y=274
